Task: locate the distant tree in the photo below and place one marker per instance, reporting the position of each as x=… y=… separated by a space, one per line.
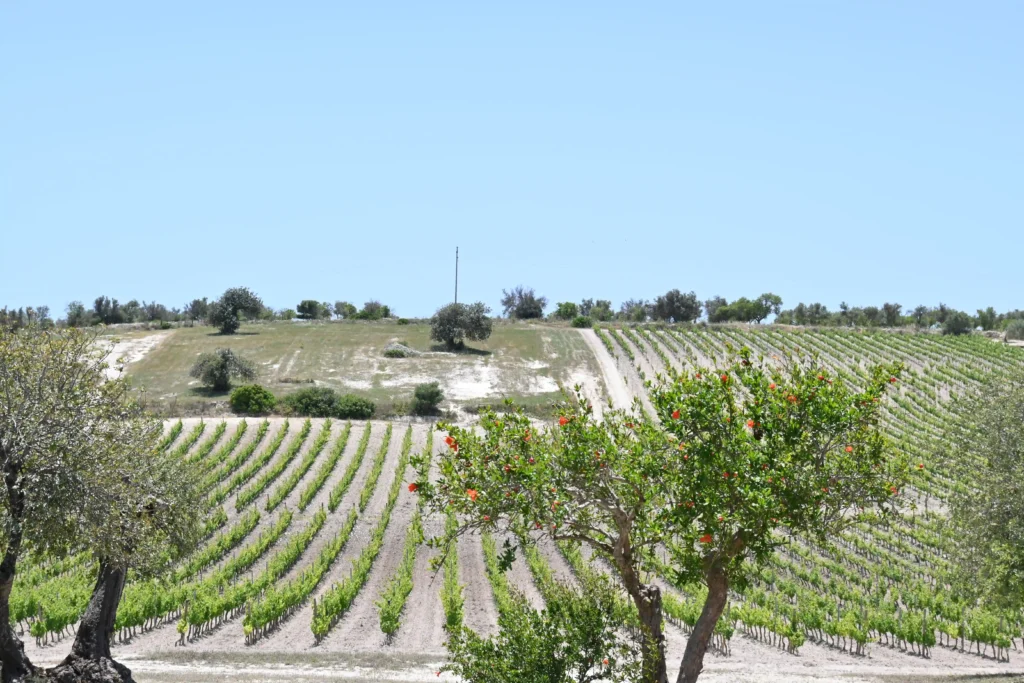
x=987 y=318
x=343 y=309
x=311 y=309
x=454 y=323
x=920 y=316
x=373 y=310
x=988 y=451
x=891 y=315
x=1015 y=329
x=78 y=315
x=712 y=306
x=767 y=304
x=216 y=369
x=197 y=309
x=586 y=306
x=674 y=306
x=566 y=310
x=602 y=310
x=635 y=310
x=957 y=323
x=941 y=313
x=237 y=300
x=521 y=303
x=286 y=314
x=108 y=311
x=132 y=312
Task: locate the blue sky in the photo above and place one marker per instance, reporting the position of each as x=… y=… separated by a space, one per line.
x=826 y=151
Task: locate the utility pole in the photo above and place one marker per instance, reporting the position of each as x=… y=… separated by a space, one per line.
x=456 y=275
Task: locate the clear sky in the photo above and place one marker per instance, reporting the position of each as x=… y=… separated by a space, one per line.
x=826 y=151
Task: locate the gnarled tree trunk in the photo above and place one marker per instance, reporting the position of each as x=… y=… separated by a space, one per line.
x=648 y=604
x=714 y=605
x=90 y=655
x=15 y=664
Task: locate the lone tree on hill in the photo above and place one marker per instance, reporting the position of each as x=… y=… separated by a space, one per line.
x=311 y=309
x=224 y=312
x=216 y=369
x=740 y=453
x=454 y=323
x=522 y=304
x=676 y=307
x=344 y=309
x=80 y=475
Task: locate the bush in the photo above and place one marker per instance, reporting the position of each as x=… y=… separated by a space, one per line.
x=252 y=399
x=403 y=321
x=1015 y=330
x=566 y=310
x=958 y=323
x=427 y=398
x=582 y=321
x=454 y=323
x=216 y=369
x=326 y=402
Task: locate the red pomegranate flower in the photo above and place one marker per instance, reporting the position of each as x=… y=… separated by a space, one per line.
x=675 y=414
x=605 y=662
x=698 y=375
x=821 y=377
x=526 y=437
x=772 y=386
x=563 y=421
x=849 y=449
x=892 y=380
x=472 y=493
x=449 y=440
x=920 y=465
x=487 y=518
x=725 y=378
x=750 y=423
x=791 y=398
x=706 y=538
x=413 y=487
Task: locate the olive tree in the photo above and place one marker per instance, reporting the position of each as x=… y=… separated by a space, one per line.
x=216 y=369
x=454 y=323
x=988 y=449
x=735 y=455
x=79 y=474
x=224 y=312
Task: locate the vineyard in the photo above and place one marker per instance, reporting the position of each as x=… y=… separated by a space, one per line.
x=314 y=540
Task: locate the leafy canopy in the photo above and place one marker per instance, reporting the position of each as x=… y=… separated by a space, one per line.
x=216 y=369
x=225 y=311
x=454 y=323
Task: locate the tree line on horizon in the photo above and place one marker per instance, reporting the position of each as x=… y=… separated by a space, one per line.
x=523 y=303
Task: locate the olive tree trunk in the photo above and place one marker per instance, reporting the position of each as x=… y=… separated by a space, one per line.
x=700 y=637
x=15 y=663
x=96 y=629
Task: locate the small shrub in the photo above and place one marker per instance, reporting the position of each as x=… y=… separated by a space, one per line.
x=165 y=325
x=326 y=402
x=252 y=399
x=403 y=321
x=426 y=398
x=399 y=350
x=1015 y=330
x=582 y=321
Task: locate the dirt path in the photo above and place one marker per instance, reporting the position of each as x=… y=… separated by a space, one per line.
x=127 y=351
x=617 y=391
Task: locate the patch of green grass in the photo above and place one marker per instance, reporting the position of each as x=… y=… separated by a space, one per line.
x=524 y=362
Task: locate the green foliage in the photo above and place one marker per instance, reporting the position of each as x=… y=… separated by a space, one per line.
x=426 y=398
x=958 y=323
x=373 y=310
x=253 y=491
x=252 y=399
x=402 y=321
x=454 y=323
x=582 y=321
x=521 y=303
x=308 y=493
x=566 y=310
x=743 y=309
x=326 y=402
x=338 y=492
x=451 y=590
x=600 y=310
x=575 y=638
x=216 y=369
x=343 y=309
x=310 y=309
x=1015 y=329
x=674 y=306
x=988 y=439
x=239 y=478
x=292 y=480
x=224 y=313
x=754 y=448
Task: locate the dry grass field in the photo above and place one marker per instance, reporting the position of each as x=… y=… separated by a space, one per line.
x=528 y=363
